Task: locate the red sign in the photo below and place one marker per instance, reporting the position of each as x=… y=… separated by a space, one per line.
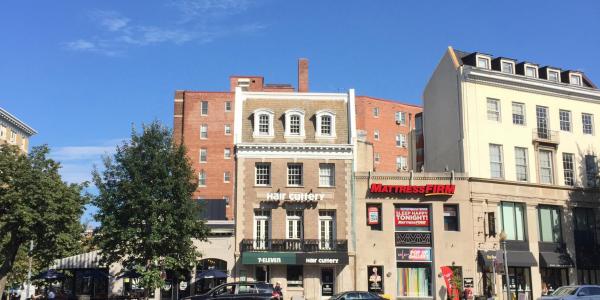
x=427 y=190
x=413 y=254
x=452 y=290
x=412 y=216
x=373 y=213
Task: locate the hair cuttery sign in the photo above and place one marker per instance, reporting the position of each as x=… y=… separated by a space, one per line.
x=427 y=190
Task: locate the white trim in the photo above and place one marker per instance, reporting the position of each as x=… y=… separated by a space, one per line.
x=552 y=70
x=271 y=115
x=277 y=150
x=16 y=122
x=321 y=113
x=237 y=117
x=295 y=96
x=578 y=76
x=535 y=67
x=487 y=58
x=502 y=61
x=288 y=115
x=352 y=135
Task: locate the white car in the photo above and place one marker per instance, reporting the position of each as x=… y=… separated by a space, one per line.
x=575 y=292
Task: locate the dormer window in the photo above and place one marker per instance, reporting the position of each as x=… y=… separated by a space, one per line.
x=553 y=75
x=507 y=67
x=294 y=123
x=575 y=79
x=531 y=71
x=263 y=123
x=325 y=124
x=483 y=62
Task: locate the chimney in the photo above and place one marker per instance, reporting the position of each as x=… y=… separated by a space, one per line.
x=302 y=75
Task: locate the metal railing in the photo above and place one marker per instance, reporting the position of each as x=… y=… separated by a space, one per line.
x=292 y=245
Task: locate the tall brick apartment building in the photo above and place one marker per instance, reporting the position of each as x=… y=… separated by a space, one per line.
x=390 y=127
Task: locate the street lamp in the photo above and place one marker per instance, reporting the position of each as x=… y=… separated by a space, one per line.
x=507 y=278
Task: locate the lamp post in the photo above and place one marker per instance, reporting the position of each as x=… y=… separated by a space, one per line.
x=507 y=277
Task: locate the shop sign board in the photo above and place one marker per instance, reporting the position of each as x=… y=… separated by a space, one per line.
x=375 y=279
x=268 y=258
x=412 y=216
x=468 y=282
x=373 y=215
x=413 y=254
x=298 y=196
x=409 y=238
x=426 y=190
x=322 y=258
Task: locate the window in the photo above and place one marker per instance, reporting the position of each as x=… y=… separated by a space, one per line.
x=400 y=117
x=295 y=125
x=294 y=275
x=2 y=130
x=202 y=178
x=226 y=176
x=326 y=229
x=203 y=131
x=483 y=62
x=326 y=175
x=568 y=168
x=531 y=71
x=377 y=157
x=553 y=76
x=294 y=120
x=493 y=109
x=550 y=225
x=227 y=129
x=263 y=123
x=226 y=198
x=204 y=108
x=294 y=174
x=451 y=217
x=375 y=112
x=263 y=174
x=293 y=224
x=401 y=163
x=565 y=120
x=203 y=155
x=325 y=123
x=262 y=229
x=588 y=123
x=376 y=135
x=518 y=113
x=521 y=163
x=13 y=136
x=227 y=153
x=591 y=170
x=400 y=140
x=508 y=67
x=413 y=281
x=575 y=79
x=374 y=216
x=227 y=106
x=496 y=168
x=513 y=220
x=546 y=174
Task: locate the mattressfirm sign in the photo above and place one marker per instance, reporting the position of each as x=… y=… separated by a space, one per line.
x=274 y=196
x=427 y=190
x=412 y=216
x=413 y=254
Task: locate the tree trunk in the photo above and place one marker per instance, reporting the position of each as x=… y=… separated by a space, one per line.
x=10 y=253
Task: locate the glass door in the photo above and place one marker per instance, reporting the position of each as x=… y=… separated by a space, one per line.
x=327 y=283
x=326 y=229
x=261 y=229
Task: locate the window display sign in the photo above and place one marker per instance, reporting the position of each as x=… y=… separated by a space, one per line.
x=413 y=254
x=375 y=279
x=373 y=215
x=412 y=216
x=427 y=190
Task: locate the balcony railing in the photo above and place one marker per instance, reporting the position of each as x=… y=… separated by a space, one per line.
x=289 y=245
x=545 y=136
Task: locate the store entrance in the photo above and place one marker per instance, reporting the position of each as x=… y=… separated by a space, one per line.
x=327 y=283
x=262 y=274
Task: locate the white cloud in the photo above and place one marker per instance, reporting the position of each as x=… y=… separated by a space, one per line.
x=81 y=45
x=110 y=20
x=78 y=161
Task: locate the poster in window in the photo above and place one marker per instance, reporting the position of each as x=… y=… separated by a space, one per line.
x=412 y=216
x=375 y=279
x=373 y=215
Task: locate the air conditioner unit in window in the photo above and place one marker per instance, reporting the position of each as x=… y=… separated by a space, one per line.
x=397 y=122
x=405 y=168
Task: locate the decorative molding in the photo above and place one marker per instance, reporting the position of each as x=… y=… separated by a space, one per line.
x=5 y=115
x=295 y=96
x=279 y=150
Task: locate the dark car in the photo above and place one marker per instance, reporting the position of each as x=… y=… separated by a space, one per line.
x=238 y=291
x=356 y=295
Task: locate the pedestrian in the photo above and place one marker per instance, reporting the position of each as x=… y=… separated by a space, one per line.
x=277 y=291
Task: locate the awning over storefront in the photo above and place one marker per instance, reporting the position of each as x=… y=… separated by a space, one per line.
x=88 y=260
x=294 y=258
x=486 y=259
x=515 y=259
x=555 y=260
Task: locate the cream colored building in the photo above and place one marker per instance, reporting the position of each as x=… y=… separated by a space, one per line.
x=527 y=138
x=14 y=131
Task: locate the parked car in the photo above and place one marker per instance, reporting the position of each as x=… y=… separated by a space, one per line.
x=575 y=292
x=356 y=295
x=238 y=291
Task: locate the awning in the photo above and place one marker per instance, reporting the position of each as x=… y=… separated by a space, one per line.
x=515 y=259
x=486 y=259
x=555 y=260
x=88 y=260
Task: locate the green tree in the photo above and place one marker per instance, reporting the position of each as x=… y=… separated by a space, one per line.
x=145 y=209
x=35 y=205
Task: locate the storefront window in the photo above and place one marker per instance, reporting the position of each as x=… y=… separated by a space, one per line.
x=588 y=276
x=513 y=220
x=550 y=229
x=450 y=217
x=294 y=276
x=553 y=278
x=520 y=283
x=413 y=280
x=374 y=216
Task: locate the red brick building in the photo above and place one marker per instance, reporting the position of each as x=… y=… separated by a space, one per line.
x=390 y=127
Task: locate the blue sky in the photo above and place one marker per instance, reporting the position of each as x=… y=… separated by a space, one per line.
x=82 y=72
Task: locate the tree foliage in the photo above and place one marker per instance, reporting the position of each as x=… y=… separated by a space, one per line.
x=145 y=209
x=35 y=205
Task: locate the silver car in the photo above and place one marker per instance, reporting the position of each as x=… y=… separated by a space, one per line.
x=575 y=292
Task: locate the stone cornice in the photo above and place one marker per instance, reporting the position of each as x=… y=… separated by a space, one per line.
x=276 y=150
x=5 y=115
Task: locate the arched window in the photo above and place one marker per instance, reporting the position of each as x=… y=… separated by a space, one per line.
x=294 y=123
x=325 y=124
x=263 y=123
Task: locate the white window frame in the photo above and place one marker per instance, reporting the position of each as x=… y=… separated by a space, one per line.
x=301 y=183
x=227 y=107
x=203 y=131
x=568 y=173
x=227 y=129
x=526 y=165
x=271 y=117
x=226 y=176
x=377 y=157
x=401 y=140
x=203 y=152
x=202 y=178
x=13 y=136
x=561 y=121
x=328 y=216
x=227 y=153
x=571 y=75
x=591 y=123
x=263 y=217
x=505 y=61
x=203 y=106
x=483 y=57
x=498 y=112
x=535 y=68
x=288 y=116
x=319 y=115
x=400 y=117
x=376 y=112
x=270 y=174
x=555 y=71
x=376 y=135
x=500 y=161
x=329 y=179
x=523 y=115
x=401 y=163
x=550 y=161
x=296 y=218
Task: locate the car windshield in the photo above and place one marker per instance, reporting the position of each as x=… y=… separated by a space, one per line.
x=565 y=291
x=336 y=296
